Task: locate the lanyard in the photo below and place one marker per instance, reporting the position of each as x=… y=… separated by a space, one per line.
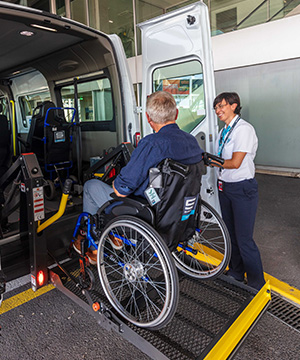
x=225 y=135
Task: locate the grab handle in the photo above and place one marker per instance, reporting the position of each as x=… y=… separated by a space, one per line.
x=62 y=206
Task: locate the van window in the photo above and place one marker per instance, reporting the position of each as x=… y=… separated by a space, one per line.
x=94 y=98
x=185 y=82
x=4 y=103
x=29 y=102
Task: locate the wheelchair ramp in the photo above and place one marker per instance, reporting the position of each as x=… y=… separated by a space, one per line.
x=212 y=318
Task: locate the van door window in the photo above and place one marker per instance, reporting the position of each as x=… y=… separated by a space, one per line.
x=28 y=103
x=185 y=82
x=95 y=104
x=3 y=102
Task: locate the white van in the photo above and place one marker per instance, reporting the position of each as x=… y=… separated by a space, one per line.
x=46 y=57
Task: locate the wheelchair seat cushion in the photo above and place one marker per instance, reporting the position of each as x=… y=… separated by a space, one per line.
x=134 y=206
x=175 y=213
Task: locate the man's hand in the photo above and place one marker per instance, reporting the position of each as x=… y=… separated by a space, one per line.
x=117 y=192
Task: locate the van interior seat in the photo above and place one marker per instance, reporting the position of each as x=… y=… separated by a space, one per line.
x=53 y=152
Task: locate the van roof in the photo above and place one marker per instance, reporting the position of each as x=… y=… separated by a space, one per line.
x=31 y=37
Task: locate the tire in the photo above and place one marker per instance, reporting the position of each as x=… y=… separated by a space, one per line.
x=207 y=254
x=140 y=280
x=87 y=280
x=49 y=190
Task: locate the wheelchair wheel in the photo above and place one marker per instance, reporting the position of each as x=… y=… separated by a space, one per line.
x=139 y=279
x=87 y=279
x=207 y=254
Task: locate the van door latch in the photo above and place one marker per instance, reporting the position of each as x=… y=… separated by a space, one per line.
x=138 y=110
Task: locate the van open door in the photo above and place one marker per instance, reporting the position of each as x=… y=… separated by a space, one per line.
x=177 y=58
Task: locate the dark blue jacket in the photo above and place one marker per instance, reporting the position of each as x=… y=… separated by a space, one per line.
x=169 y=142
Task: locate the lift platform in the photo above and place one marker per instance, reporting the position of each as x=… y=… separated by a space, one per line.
x=212 y=318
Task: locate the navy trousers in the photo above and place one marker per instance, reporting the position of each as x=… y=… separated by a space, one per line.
x=238 y=205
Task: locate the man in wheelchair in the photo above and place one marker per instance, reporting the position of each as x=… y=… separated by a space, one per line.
x=167 y=142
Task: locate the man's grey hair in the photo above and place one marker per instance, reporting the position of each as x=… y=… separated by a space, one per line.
x=161 y=107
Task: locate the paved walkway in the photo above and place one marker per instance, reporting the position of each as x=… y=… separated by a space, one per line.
x=277 y=227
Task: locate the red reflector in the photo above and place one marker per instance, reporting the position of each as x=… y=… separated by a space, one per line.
x=40 y=278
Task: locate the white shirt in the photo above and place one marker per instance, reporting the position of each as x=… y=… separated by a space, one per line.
x=241 y=139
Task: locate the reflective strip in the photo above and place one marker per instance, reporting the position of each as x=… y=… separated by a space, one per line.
x=23 y=298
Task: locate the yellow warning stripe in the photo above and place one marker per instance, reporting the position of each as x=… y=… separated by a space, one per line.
x=23 y=297
x=228 y=342
x=283 y=289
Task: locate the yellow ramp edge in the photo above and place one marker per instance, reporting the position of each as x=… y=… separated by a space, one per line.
x=228 y=342
x=283 y=289
x=208 y=255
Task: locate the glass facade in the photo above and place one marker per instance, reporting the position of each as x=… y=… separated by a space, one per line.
x=120 y=16
x=36 y=4
x=114 y=17
x=95 y=100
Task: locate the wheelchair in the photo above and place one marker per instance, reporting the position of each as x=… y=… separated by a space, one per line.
x=139 y=277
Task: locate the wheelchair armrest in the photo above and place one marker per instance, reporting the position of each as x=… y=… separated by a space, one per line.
x=131 y=196
x=115 y=196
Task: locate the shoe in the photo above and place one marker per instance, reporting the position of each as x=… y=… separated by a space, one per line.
x=77 y=242
x=92 y=256
x=116 y=243
x=77 y=246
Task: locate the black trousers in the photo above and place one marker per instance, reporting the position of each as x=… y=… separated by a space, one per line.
x=238 y=205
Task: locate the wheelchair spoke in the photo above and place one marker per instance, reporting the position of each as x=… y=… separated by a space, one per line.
x=207 y=253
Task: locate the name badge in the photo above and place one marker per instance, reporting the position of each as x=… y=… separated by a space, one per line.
x=151 y=196
x=220 y=185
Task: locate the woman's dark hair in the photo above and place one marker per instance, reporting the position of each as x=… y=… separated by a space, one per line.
x=230 y=98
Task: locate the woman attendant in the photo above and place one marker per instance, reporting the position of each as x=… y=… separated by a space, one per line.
x=238 y=193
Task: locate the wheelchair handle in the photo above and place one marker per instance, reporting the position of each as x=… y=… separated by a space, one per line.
x=210 y=159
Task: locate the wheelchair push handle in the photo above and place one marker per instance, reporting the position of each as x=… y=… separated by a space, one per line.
x=210 y=160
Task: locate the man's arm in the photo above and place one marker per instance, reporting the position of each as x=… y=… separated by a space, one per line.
x=117 y=192
x=135 y=172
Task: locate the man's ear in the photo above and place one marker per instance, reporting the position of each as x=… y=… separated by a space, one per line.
x=176 y=114
x=148 y=118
